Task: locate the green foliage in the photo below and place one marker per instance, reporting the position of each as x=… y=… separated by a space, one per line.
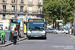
x=52 y=9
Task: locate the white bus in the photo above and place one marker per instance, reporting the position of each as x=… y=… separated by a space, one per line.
x=36 y=28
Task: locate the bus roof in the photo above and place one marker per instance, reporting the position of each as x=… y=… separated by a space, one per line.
x=35 y=19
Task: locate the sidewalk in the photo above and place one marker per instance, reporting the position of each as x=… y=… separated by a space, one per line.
x=71 y=36
x=9 y=42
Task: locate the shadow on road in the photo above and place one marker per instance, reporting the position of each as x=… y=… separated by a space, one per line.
x=37 y=38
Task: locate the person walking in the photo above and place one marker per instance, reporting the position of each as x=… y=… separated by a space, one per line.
x=15 y=35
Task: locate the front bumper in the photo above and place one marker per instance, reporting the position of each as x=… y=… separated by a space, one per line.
x=36 y=35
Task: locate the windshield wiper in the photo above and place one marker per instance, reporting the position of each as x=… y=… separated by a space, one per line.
x=36 y=28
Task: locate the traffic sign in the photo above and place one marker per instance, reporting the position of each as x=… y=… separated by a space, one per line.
x=60 y=23
x=59 y=20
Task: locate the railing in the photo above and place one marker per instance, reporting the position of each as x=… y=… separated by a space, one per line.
x=21 y=11
x=39 y=3
x=12 y=1
x=34 y=12
x=12 y=10
x=3 y=18
x=4 y=10
x=30 y=2
x=22 y=2
x=4 y=0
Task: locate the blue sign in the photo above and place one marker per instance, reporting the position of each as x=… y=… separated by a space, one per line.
x=68 y=26
x=18 y=20
x=28 y=18
x=21 y=15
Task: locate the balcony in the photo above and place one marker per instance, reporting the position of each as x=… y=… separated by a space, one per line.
x=22 y=12
x=3 y=18
x=30 y=2
x=34 y=12
x=12 y=10
x=12 y=1
x=4 y=10
x=39 y=3
x=4 y=1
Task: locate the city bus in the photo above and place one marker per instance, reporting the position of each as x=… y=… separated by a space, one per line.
x=36 y=28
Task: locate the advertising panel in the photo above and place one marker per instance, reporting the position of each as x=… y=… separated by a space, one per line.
x=15 y=24
x=24 y=28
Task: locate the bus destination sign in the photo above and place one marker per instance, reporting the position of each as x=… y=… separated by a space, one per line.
x=36 y=20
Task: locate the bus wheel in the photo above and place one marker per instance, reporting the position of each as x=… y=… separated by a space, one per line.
x=28 y=38
x=45 y=38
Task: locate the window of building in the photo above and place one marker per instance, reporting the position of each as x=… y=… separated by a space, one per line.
x=3 y=16
x=12 y=16
x=30 y=9
x=22 y=1
x=39 y=1
x=4 y=7
x=21 y=8
x=30 y=16
x=4 y=0
x=30 y=1
x=13 y=8
x=13 y=1
x=39 y=16
x=39 y=9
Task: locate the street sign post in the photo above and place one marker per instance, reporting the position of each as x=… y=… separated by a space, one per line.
x=59 y=23
x=26 y=17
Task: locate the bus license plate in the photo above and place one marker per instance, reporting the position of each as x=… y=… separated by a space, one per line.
x=35 y=36
x=35 y=32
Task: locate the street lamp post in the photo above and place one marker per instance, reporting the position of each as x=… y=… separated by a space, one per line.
x=16 y=10
x=60 y=14
x=74 y=23
x=61 y=11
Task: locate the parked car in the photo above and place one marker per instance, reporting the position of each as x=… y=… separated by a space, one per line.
x=66 y=31
x=61 y=31
x=50 y=30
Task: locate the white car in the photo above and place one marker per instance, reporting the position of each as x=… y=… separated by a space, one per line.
x=61 y=31
x=50 y=30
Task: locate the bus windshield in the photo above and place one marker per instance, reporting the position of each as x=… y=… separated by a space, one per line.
x=36 y=26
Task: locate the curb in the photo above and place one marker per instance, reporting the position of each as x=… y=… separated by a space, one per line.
x=72 y=37
x=7 y=44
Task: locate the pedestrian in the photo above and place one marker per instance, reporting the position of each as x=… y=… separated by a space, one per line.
x=15 y=35
x=70 y=30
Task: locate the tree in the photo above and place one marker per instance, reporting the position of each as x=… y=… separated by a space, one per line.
x=52 y=9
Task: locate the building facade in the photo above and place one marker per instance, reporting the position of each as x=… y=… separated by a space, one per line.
x=25 y=9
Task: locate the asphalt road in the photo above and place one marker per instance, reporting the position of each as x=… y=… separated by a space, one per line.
x=53 y=42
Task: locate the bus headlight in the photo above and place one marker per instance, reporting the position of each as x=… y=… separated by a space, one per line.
x=28 y=32
x=43 y=32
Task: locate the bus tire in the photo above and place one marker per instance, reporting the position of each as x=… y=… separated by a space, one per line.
x=28 y=38
x=45 y=38
x=2 y=42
